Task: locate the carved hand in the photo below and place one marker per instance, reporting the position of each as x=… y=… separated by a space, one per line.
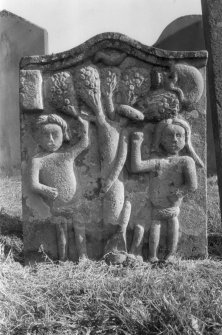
x=105 y=187
x=50 y=192
x=175 y=194
x=85 y=118
x=84 y=121
x=137 y=137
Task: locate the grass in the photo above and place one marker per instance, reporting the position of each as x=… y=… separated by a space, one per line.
x=94 y=298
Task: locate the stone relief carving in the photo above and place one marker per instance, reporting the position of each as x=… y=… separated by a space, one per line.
x=172 y=177
x=93 y=127
x=31 y=90
x=52 y=174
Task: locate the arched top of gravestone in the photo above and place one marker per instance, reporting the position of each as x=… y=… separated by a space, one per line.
x=9 y=15
x=184 y=33
x=107 y=42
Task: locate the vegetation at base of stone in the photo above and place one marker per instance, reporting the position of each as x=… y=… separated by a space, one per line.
x=213 y=204
x=94 y=298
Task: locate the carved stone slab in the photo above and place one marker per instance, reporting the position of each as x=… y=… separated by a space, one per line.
x=114 y=164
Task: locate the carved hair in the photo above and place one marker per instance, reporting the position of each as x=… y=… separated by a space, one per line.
x=54 y=119
x=188 y=144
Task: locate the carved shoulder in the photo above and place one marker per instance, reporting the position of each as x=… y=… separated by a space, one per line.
x=188 y=161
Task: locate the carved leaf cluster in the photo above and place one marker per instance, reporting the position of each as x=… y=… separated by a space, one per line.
x=135 y=83
x=61 y=93
x=161 y=105
x=87 y=83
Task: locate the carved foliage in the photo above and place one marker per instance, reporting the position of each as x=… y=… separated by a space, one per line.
x=87 y=83
x=160 y=105
x=62 y=95
x=135 y=83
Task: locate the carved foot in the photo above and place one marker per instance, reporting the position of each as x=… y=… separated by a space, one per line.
x=170 y=258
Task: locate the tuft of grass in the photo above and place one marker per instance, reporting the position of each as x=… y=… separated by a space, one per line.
x=94 y=298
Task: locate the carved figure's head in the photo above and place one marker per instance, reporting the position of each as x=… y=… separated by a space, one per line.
x=173 y=139
x=50 y=132
x=172 y=136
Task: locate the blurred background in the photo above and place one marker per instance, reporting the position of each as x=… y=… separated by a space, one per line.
x=71 y=22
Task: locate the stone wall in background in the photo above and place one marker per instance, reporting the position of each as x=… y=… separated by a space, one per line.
x=186 y=33
x=18 y=38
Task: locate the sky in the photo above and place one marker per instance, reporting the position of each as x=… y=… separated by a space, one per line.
x=71 y=22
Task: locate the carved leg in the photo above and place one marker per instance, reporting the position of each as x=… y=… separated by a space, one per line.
x=62 y=240
x=118 y=240
x=80 y=239
x=172 y=237
x=154 y=239
x=137 y=244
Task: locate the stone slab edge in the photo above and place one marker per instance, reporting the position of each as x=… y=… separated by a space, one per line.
x=114 y=41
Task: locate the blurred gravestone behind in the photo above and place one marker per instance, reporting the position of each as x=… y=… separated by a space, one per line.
x=18 y=38
x=186 y=33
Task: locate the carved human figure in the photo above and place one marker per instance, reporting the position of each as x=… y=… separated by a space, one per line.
x=52 y=174
x=172 y=168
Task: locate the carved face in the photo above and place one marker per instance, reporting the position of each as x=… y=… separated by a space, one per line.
x=50 y=137
x=173 y=139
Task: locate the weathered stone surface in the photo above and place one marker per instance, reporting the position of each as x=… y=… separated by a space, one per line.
x=114 y=152
x=31 y=90
x=186 y=33
x=212 y=18
x=18 y=38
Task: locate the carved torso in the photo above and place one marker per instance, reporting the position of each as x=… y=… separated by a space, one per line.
x=56 y=170
x=170 y=175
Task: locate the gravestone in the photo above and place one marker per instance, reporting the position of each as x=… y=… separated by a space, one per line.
x=212 y=18
x=186 y=33
x=18 y=38
x=113 y=137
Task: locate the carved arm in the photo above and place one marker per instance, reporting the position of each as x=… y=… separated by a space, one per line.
x=137 y=165
x=190 y=177
x=36 y=186
x=84 y=141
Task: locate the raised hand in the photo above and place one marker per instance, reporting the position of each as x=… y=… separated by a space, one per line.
x=137 y=136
